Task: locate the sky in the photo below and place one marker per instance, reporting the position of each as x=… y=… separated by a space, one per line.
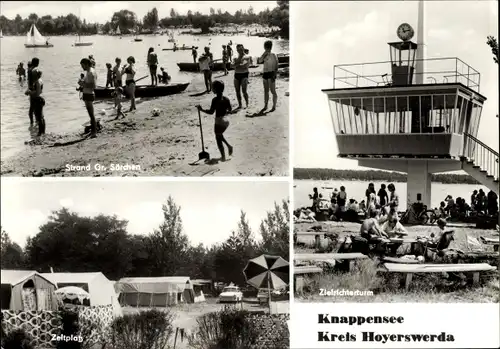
x=101 y=11
x=358 y=31
x=210 y=210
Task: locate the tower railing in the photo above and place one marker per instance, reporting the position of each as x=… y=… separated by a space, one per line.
x=437 y=71
x=482 y=155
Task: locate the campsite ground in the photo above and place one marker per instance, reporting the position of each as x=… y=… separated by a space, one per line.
x=365 y=277
x=187 y=314
x=166 y=145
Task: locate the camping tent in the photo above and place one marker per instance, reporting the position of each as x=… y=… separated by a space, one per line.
x=27 y=290
x=155 y=291
x=96 y=284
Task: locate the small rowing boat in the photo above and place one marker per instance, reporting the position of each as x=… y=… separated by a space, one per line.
x=178 y=49
x=195 y=67
x=283 y=58
x=144 y=90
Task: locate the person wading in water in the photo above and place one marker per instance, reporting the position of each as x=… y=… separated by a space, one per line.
x=88 y=95
x=220 y=106
x=153 y=66
x=270 y=61
x=38 y=102
x=129 y=70
x=241 y=64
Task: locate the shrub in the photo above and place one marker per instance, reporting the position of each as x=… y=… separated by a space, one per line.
x=17 y=339
x=229 y=328
x=151 y=329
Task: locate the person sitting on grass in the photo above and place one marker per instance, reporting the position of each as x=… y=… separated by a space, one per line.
x=221 y=107
x=393 y=228
x=371 y=230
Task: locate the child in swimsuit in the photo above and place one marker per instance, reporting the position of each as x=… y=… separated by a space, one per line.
x=224 y=58
x=109 y=76
x=118 y=95
x=220 y=106
x=80 y=85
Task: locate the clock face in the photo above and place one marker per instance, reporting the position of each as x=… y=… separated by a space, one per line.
x=405 y=32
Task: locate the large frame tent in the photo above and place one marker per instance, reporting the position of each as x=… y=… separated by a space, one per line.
x=155 y=291
x=99 y=287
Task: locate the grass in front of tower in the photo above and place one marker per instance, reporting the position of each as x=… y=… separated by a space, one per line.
x=376 y=287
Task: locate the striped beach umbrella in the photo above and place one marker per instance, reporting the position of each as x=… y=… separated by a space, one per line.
x=266 y=271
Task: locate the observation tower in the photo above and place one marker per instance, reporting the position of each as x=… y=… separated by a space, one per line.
x=413 y=115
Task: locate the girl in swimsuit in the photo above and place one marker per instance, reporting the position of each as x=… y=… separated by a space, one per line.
x=241 y=64
x=153 y=66
x=220 y=106
x=88 y=96
x=129 y=70
x=270 y=61
x=35 y=93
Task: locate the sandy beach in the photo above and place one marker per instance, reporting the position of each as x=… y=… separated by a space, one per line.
x=168 y=145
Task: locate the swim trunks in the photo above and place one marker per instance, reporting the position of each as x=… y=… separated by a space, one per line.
x=240 y=76
x=89 y=97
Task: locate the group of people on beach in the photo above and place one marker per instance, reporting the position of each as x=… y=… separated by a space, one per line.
x=241 y=63
x=342 y=208
x=480 y=204
x=221 y=105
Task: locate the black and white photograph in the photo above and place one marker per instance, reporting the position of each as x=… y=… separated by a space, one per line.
x=396 y=151
x=133 y=88
x=130 y=264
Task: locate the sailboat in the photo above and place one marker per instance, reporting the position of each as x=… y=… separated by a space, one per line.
x=80 y=43
x=137 y=38
x=35 y=39
x=118 y=32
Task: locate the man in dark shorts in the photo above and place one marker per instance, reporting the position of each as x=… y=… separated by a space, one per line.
x=241 y=64
x=206 y=63
x=88 y=96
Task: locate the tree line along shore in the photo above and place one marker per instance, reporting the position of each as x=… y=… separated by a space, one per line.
x=129 y=22
x=71 y=242
x=374 y=175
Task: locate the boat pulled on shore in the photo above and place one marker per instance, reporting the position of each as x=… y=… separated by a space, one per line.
x=142 y=91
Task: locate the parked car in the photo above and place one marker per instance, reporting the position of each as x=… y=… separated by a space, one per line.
x=231 y=294
x=263 y=294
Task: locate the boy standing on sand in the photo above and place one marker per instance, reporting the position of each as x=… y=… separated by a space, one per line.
x=220 y=106
x=206 y=61
x=270 y=72
x=224 y=58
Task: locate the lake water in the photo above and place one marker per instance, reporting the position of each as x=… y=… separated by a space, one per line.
x=64 y=111
x=356 y=190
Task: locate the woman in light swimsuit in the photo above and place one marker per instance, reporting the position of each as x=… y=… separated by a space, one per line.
x=129 y=71
x=220 y=106
x=88 y=95
x=241 y=64
x=270 y=61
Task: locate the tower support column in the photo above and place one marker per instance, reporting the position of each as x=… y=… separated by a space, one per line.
x=419 y=182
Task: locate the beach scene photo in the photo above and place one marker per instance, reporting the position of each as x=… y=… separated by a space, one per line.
x=183 y=265
x=395 y=192
x=144 y=88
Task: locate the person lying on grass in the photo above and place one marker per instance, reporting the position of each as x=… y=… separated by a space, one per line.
x=220 y=106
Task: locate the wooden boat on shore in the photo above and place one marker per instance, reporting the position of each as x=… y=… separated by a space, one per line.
x=195 y=67
x=283 y=58
x=144 y=90
x=34 y=39
x=178 y=49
